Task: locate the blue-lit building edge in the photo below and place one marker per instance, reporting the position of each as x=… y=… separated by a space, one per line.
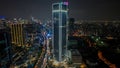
x=59 y=18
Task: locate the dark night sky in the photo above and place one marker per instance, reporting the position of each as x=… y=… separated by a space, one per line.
x=78 y=9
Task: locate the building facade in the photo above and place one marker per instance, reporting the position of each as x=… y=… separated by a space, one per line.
x=17 y=34
x=5 y=47
x=59 y=18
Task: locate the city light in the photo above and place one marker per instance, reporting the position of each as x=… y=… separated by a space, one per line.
x=65 y=3
x=55 y=63
x=41 y=34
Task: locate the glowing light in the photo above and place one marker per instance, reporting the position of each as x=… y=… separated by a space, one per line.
x=48 y=35
x=83 y=66
x=56 y=63
x=59 y=11
x=2 y=17
x=65 y=3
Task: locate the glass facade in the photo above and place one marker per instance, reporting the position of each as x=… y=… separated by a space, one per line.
x=59 y=18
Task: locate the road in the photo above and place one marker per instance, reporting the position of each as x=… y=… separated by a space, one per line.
x=47 y=54
x=42 y=61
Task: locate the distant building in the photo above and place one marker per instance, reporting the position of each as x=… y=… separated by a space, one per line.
x=5 y=47
x=97 y=28
x=71 y=26
x=17 y=33
x=23 y=32
x=59 y=18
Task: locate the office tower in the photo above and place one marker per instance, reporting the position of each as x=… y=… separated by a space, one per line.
x=59 y=18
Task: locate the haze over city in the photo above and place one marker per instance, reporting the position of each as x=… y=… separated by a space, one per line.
x=78 y=9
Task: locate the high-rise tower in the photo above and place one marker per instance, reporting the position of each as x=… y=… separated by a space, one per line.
x=59 y=18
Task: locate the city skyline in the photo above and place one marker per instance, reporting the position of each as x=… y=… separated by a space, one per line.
x=29 y=39
x=80 y=10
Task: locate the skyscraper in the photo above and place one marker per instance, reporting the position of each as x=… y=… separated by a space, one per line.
x=59 y=18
